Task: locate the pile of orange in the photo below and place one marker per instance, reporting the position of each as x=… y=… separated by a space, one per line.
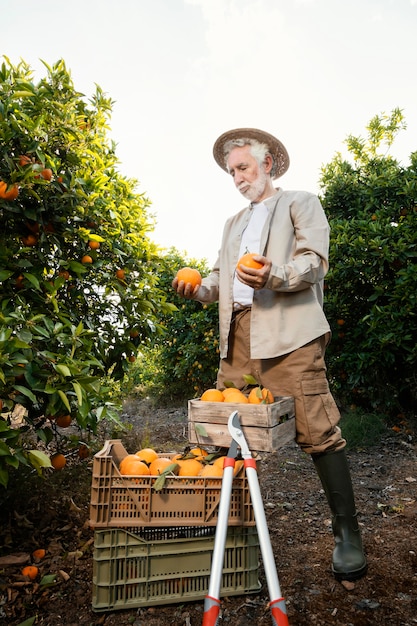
x=196 y=462
x=257 y=395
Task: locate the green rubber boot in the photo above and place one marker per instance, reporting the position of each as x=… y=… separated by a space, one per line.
x=349 y=562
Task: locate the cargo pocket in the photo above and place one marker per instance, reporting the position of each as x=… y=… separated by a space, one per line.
x=321 y=412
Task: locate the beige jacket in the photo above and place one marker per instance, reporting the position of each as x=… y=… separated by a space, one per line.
x=288 y=312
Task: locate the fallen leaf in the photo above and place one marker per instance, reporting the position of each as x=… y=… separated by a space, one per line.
x=14 y=559
x=64 y=575
x=410 y=479
x=348 y=585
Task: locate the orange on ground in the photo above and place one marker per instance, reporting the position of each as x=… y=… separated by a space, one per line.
x=189 y=275
x=159 y=465
x=30 y=571
x=58 y=461
x=260 y=395
x=248 y=261
x=212 y=471
x=94 y=245
x=147 y=455
x=39 y=554
x=131 y=465
x=86 y=259
x=189 y=467
x=212 y=395
x=63 y=421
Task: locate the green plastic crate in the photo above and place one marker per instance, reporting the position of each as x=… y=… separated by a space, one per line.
x=151 y=568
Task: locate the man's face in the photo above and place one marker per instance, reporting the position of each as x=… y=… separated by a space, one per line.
x=250 y=179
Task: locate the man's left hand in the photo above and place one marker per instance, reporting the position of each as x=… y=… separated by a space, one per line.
x=255 y=278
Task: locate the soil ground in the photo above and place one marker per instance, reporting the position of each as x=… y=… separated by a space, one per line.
x=54 y=514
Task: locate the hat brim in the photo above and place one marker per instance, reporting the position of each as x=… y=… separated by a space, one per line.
x=276 y=148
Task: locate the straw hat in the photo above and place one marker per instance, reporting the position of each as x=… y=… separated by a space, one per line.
x=276 y=148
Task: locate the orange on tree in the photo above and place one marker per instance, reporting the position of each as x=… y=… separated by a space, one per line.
x=120 y=274
x=159 y=465
x=189 y=275
x=212 y=395
x=46 y=173
x=260 y=395
x=131 y=465
x=8 y=194
x=86 y=259
x=58 y=461
x=248 y=260
x=147 y=455
x=24 y=160
x=30 y=571
x=30 y=240
x=63 y=421
x=94 y=245
x=83 y=451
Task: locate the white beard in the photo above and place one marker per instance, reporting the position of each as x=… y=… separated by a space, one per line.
x=256 y=188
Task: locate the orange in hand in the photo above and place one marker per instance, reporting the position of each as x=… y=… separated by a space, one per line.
x=248 y=261
x=189 y=275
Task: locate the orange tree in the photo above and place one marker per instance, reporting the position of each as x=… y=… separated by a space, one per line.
x=78 y=286
x=183 y=360
x=371 y=288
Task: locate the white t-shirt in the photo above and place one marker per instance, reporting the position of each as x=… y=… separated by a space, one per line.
x=251 y=239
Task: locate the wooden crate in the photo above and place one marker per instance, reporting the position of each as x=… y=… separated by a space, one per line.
x=267 y=427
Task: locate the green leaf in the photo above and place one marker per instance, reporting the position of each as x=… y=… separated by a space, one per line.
x=49 y=580
x=249 y=379
x=32 y=279
x=38 y=459
x=64 y=399
x=28 y=622
x=4 y=477
x=160 y=481
x=26 y=392
x=200 y=430
x=63 y=369
x=79 y=392
x=5 y=274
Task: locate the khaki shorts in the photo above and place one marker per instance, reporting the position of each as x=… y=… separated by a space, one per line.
x=300 y=374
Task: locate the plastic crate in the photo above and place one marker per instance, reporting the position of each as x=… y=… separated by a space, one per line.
x=267 y=427
x=130 y=571
x=126 y=501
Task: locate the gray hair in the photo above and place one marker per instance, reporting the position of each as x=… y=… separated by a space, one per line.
x=257 y=149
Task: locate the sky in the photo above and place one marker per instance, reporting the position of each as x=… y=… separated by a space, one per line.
x=182 y=72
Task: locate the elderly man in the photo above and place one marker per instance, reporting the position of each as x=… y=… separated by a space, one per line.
x=272 y=323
